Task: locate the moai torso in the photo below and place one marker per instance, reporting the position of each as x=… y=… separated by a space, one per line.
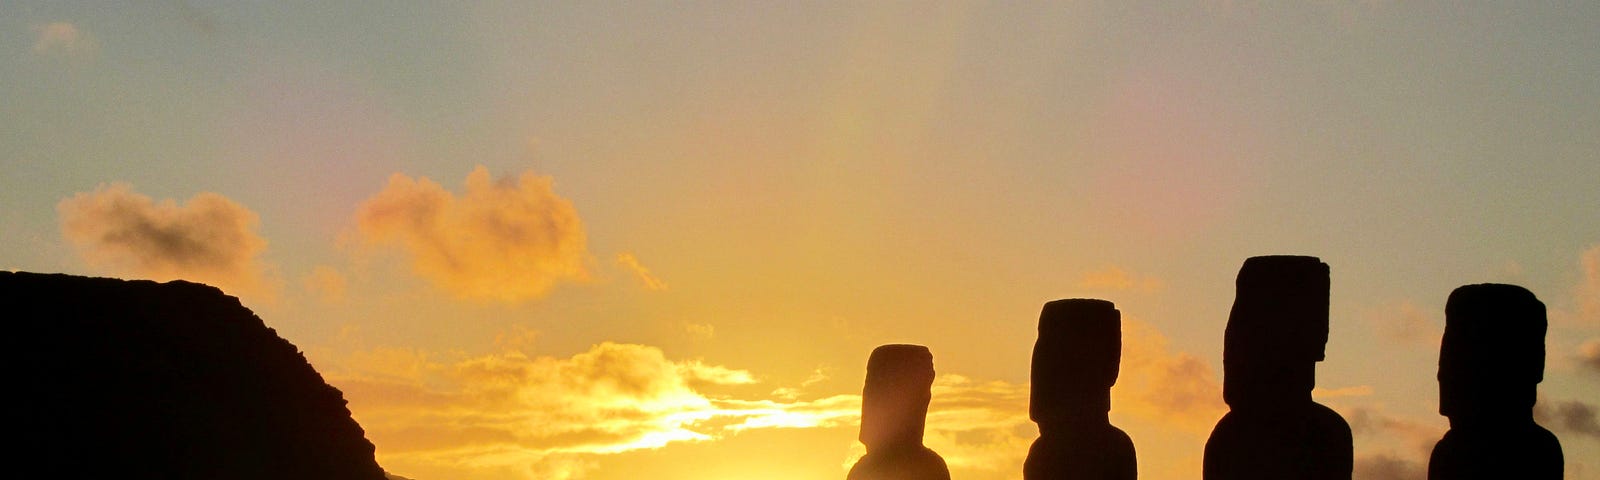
x=1275 y=337
x=1490 y=363
x=894 y=408
x=1075 y=363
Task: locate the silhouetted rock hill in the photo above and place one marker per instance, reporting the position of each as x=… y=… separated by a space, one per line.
x=135 y=379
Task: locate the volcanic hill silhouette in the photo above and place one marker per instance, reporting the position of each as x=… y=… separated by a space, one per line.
x=138 y=379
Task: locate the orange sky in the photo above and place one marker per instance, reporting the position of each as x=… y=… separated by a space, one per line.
x=610 y=241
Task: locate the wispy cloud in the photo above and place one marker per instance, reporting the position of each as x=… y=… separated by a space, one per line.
x=1116 y=278
x=1355 y=391
x=1568 y=416
x=208 y=239
x=325 y=283
x=63 y=39
x=507 y=411
x=630 y=262
x=1589 y=355
x=980 y=425
x=1397 y=448
x=702 y=331
x=1407 y=324
x=1166 y=386
x=511 y=239
x=1587 y=292
x=1384 y=466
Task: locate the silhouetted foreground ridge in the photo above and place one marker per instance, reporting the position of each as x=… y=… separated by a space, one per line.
x=135 y=379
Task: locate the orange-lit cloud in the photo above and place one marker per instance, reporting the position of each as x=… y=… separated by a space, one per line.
x=513 y=414
x=208 y=239
x=1588 y=291
x=981 y=426
x=703 y=331
x=628 y=261
x=325 y=283
x=1386 y=466
x=1169 y=387
x=1407 y=324
x=1589 y=354
x=1390 y=447
x=63 y=39
x=510 y=239
x=1114 y=278
x=519 y=416
x=1356 y=391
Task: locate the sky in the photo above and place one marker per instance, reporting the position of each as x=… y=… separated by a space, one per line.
x=606 y=240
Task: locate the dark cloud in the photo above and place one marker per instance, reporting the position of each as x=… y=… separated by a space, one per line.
x=1567 y=417
x=208 y=239
x=1589 y=355
x=1387 y=467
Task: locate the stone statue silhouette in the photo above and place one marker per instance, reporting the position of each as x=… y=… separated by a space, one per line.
x=894 y=408
x=1490 y=363
x=1275 y=337
x=1075 y=362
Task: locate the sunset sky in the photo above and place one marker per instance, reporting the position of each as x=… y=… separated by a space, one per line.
x=593 y=240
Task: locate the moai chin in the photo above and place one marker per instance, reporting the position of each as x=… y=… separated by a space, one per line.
x=1075 y=363
x=1275 y=337
x=894 y=408
x=1490 y=363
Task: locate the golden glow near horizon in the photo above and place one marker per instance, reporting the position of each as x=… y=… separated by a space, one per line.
x=635 y=241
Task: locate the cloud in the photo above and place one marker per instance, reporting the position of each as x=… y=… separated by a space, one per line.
x=703 y=331
x=511 y=239
x=1589 y=354
x=817 y=376
x=1383 y=466
x=208 y=239
x=1165 y=386
x=1407 y=324
x=1588 y=290
x=979 y=425
x=1389 y=446
x=1114 y=278
x=1573 y=416
x=1355 y=391
x=63 y=39
x=1374 y=422
x=514 y=415
x=326 y=283
x=524 y=416
x=628 y=261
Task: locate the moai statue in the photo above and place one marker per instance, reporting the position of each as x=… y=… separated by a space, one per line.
x=1075 y=362
x=1275 y=337
x=1490 y=364
x=894 y=407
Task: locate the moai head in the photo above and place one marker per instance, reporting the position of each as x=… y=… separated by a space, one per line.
x=1075 y=360
x=1277 y=330
x=1492 y=356
x=894 y=402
